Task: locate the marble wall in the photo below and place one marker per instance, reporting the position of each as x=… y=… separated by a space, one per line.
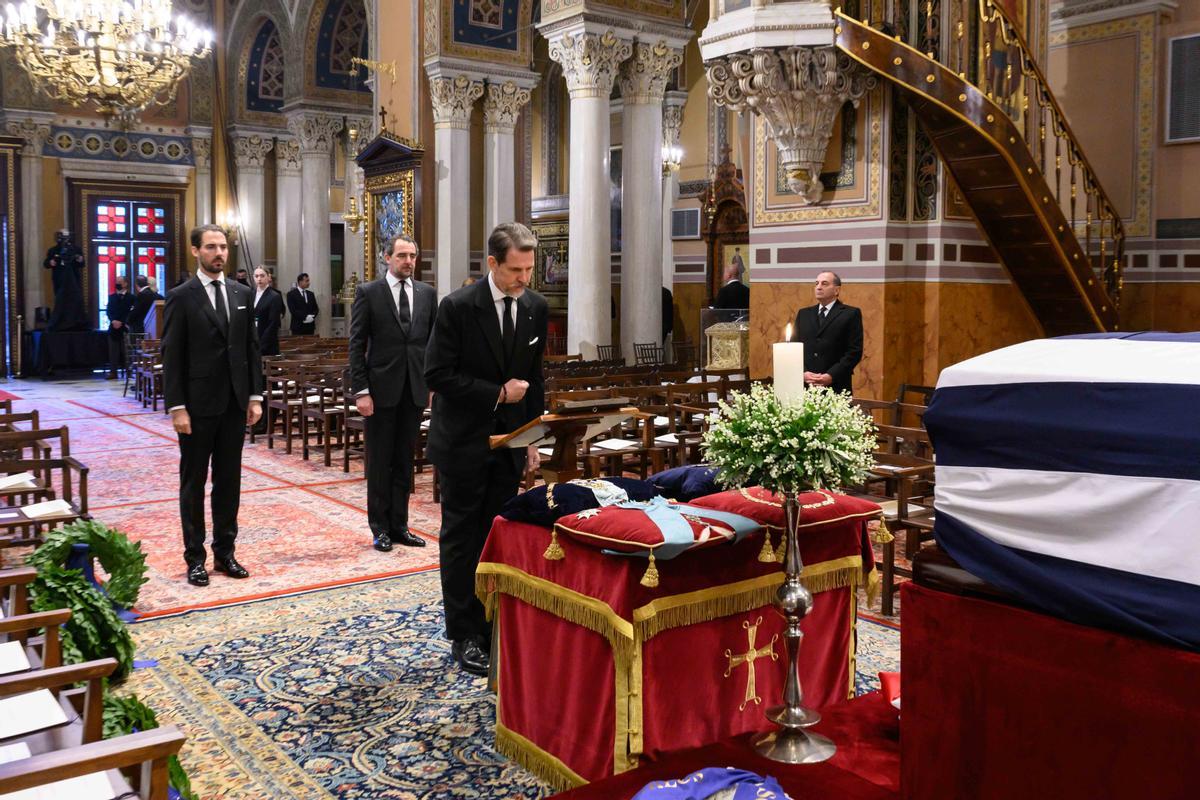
x=1160 y=307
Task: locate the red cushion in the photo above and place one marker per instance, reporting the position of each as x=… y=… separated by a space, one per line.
x=766 y=508
x=629 y=530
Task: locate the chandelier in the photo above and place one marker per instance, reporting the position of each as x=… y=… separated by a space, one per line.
x=120 y=55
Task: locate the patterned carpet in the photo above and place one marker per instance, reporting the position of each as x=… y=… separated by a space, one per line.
x=347 y=692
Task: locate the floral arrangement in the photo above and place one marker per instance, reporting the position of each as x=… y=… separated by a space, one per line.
x=819 y=442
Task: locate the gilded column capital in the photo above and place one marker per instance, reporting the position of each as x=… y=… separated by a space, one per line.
x=590 y=61
x=644 y=75
x=250 y=151
x=287 y=156
x=315 y=132
x=33 y=133
x=501 y=105
x=799 y=92
x=202 y=152
x=453 y=99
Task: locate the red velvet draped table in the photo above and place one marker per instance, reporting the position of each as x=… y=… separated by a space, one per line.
x=594 y=670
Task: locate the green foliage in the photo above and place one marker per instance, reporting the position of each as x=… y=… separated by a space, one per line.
x=94 y=630
x=819 y=442
x=127 y=714
x=122 y=559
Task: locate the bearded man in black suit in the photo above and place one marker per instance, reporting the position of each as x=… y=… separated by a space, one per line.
x=391 y=320
x=212 y=386
x=302 y=305
x=832 y=333
x=484 y=365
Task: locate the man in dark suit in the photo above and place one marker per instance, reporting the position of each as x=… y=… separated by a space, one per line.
x=734 y=294
x=302 y=305
x=268 y=312
x=212 y=382
x=120 y=303
x=143 y=301
x=484 y=365
x=832 y=333
x=390 y=324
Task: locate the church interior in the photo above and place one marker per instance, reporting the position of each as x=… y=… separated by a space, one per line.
x=997 y=190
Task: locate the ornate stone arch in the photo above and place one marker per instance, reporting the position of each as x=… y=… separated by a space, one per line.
x=244 y=30
x=329 y=33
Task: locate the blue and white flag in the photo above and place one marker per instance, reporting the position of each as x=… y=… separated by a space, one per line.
x=1068 y=473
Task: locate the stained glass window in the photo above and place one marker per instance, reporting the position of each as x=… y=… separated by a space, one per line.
x=127 y=238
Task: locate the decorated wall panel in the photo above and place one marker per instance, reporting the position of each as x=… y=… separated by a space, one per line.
x=498 y=31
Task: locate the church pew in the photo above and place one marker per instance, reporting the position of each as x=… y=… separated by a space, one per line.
x=17 y=527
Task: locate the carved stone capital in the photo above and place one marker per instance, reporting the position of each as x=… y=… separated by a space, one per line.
x=250 y=151
x=501 y=105
x=202 y=152
x=287 y=156
x=316 y=132
x=672 y=124
x=799 y=92
x=453 y=99
x=644 y=76
x=34 y=134
x=590 y=61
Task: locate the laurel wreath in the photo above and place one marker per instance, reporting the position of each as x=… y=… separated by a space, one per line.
x=122 y=560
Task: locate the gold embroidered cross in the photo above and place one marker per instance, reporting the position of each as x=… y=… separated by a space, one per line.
x=748 y=658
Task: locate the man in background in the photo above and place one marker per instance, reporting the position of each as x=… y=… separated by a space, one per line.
x=143 y=301
x=302 y=305
x=242 y=277
x=832 y=333
x=734 y=294
x=484 y=365
x=120 y=303
x=212 y=387
x=390 y=324
x=268 y=312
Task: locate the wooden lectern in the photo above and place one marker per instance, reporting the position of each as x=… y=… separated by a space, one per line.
x=153 y=324
x=565 y=430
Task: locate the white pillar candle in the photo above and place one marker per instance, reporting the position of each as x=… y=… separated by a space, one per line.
x=789 y=369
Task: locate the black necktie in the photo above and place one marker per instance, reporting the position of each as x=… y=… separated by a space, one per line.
x=821 y=316
x=222 y=312
x=510 y=330
x=402 y=305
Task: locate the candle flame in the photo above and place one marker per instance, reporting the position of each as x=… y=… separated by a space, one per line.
x=787 y=333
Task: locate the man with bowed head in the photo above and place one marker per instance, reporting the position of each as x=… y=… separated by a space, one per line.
x=484 y=365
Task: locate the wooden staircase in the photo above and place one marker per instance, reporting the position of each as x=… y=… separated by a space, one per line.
x=993 y=120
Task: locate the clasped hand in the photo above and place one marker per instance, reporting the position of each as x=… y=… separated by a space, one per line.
x=513 y=391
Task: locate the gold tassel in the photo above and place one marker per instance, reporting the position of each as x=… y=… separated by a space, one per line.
x=882 y=535
x=781 y=551
x=767 y=554
x=874 y=584
x=650 y=579
x=554 y=551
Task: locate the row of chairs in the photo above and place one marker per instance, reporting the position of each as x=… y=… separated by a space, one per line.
x=59 y=750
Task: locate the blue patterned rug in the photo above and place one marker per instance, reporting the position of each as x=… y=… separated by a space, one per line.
x=344 y=693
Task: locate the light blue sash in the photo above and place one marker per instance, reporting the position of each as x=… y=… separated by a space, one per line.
x=676 y=531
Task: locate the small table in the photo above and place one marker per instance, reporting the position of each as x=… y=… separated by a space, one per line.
x=594 y=670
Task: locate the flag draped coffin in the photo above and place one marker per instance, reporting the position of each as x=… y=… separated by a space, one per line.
x=1068 y=473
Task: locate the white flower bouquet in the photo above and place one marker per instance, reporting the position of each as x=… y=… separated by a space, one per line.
x=819 y=442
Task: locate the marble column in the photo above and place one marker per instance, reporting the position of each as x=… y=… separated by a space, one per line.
x=453 y=100
x=501 y=105
x=288 y=188
x=643 y=80
x=317 y=135
x=353 y=264
x=202 y=156
x=589 y=60
x=33 y=130
x=673 y=103
x=250 y=155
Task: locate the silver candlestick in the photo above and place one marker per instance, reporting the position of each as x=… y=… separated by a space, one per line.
x=793 y=743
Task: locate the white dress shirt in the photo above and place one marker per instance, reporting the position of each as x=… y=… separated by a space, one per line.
x=258 y=293
x=394 y=284
x=498 y=298
x=208 y=282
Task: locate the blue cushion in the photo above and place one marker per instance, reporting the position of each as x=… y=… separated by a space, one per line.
x=687 y=482
x=568 y=498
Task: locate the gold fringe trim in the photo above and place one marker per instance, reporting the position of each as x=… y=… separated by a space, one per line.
x=554 y=551
x=767 y=554
x=516 y=747
x=560 y=601
x=874 y=584
x=650 y=578
x=716 y=602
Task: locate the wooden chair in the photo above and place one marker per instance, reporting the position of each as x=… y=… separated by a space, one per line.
x=647 y=353
x=606 y=352
x=17 y=527
x=283 y=387
x=685 y=354
x=19 y=421
x=354 y=427
x=322 y=407
x=42 y=651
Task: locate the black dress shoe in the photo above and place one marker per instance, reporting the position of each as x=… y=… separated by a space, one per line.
x=230 y=567
x=470 y=656
x=198 y=575
x=408 y=538
x=382 y=543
